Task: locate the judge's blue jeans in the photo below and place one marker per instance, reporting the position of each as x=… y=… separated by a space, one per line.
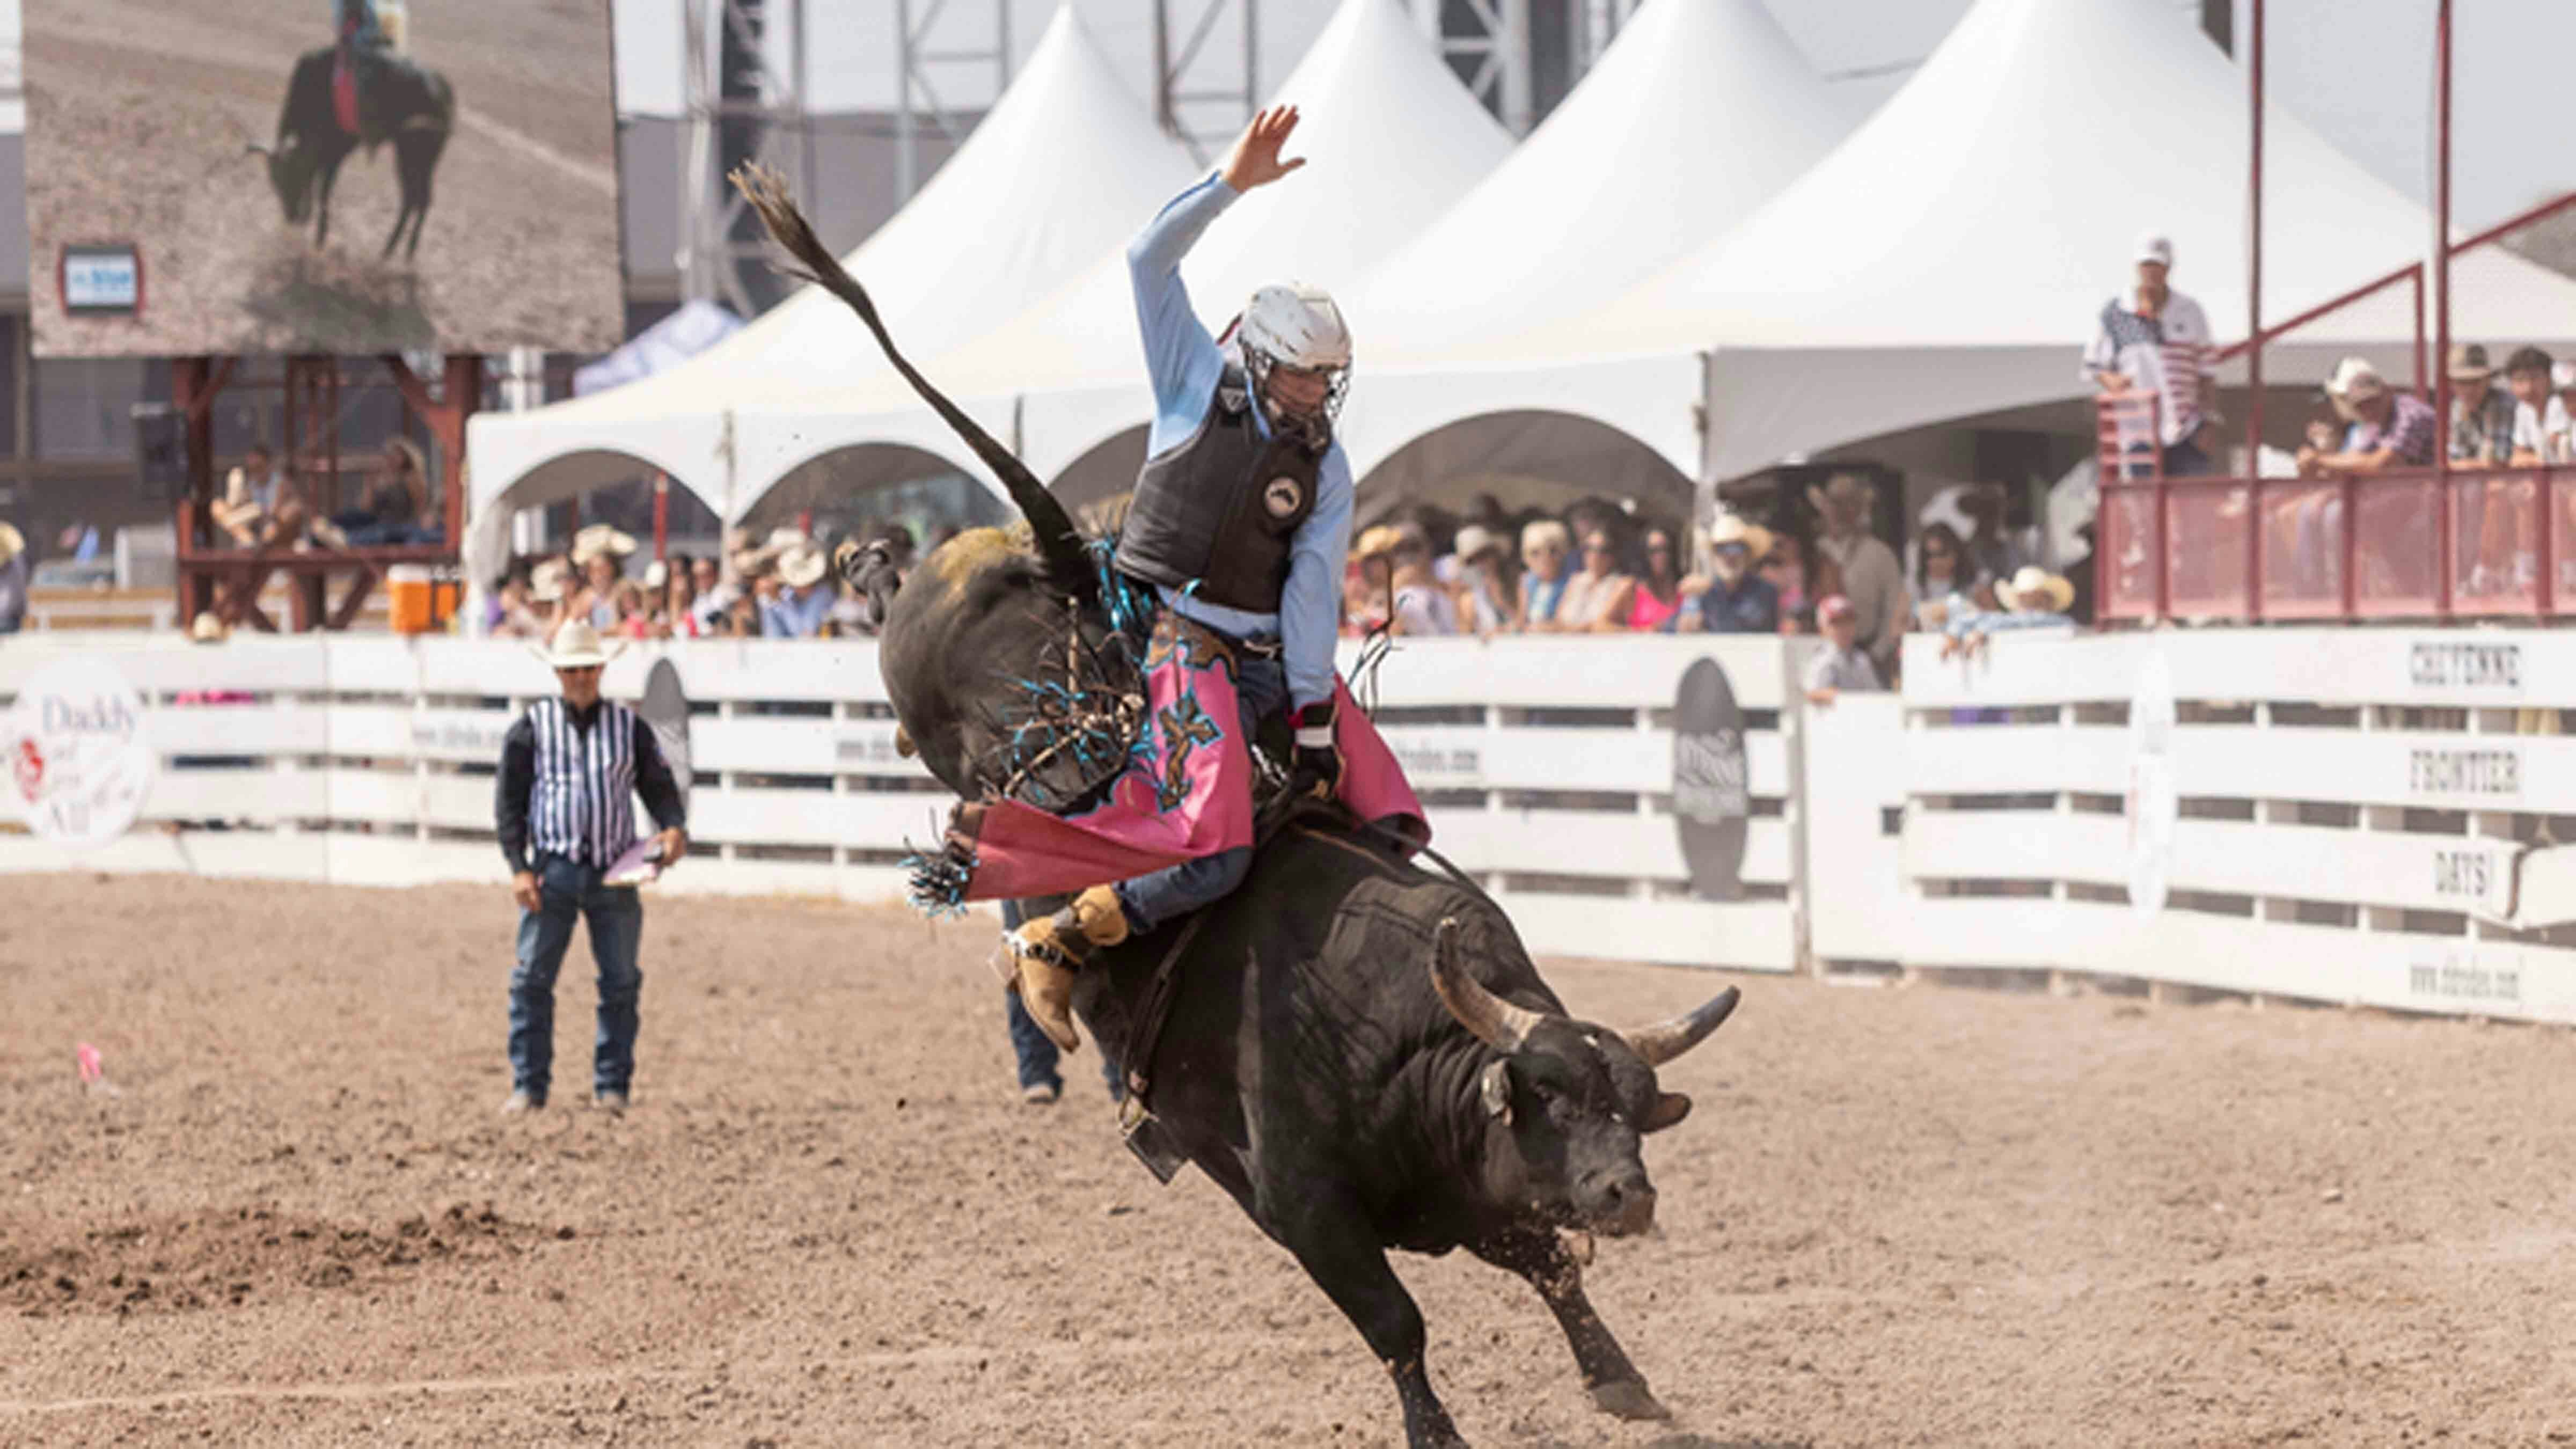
x=569 y=890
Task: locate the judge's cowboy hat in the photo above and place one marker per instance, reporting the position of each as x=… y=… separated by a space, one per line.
x=576 y=646
x=12 y=543
x=1729 y=528
x=2035 y=590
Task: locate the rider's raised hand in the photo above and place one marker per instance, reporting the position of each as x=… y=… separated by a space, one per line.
x=1255 y=158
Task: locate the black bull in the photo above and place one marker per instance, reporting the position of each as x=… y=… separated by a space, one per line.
x=408 y=104
x=1359 y=1051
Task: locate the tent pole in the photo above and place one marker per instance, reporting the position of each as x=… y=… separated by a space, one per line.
x=2254 y=328
x=2442 y=306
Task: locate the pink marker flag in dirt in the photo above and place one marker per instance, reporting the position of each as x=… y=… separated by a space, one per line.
x=91 y=1069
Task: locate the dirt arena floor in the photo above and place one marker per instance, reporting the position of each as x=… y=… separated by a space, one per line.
x=139 y=114
x=1930 y=1216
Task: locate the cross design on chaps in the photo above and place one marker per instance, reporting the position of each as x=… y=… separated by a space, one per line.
x=1185 y=727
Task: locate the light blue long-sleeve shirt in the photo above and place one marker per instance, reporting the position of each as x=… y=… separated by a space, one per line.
x=1185 y=364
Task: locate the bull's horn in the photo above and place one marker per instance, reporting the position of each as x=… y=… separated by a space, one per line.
x=1665 y=1040
x=1495 y=1022
x=255 y=148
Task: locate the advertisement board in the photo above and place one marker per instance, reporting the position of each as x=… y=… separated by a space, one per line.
x=80 y=753
x=340 y=176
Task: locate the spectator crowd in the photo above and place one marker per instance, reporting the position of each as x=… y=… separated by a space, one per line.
x=774 y=586
x=1598 y=568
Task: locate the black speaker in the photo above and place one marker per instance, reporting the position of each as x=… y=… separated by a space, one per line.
x=160 y=451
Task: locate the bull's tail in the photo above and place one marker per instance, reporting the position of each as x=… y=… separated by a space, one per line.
x=1068 y=563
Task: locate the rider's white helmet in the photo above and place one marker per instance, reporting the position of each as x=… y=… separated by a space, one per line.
x=1297 y=325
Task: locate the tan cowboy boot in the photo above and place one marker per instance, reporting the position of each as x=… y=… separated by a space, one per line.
x=1046 y=952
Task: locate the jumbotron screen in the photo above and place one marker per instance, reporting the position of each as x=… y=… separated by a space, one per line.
x=328 y=176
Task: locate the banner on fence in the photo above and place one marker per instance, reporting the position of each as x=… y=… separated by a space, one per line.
x=80 y=752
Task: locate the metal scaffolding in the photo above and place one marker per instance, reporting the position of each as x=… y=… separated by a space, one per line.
x=740 y=106
x=1487 y=42
x=1195 y=106
x=1600 y=22
x=916 y=26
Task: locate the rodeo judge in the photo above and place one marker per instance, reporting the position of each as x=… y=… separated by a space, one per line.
x=570 y=769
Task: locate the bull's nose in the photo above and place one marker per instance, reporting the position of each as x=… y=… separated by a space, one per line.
x=1627 y=1204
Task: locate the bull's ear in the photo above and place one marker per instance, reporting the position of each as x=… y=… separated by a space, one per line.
x=1669 y=1108
x=1497 y=1091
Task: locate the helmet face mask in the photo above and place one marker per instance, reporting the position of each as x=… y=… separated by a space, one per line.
x=1297 y=350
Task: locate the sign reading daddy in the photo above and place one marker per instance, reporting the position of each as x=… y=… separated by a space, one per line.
x=80 y=760
x=1712 y=795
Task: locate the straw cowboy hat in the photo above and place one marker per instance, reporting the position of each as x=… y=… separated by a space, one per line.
x=12 y=543
x=208 y=628
x=1729 y=528
x=2035 y=590
x=547 y=581
x=576 y=646
x=598 y=539
x=1381 y=539
x=2469 y=363
x=801 y=564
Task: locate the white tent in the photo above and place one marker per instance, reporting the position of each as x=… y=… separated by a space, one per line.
x=1700 y=112
x=1392 y=140
x=1951 y=257
x=1057 y=173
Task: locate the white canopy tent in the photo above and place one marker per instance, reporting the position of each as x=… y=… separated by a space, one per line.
x=1699 y=113
x=1056 y=174
x=1951 y=257
x=1392 y=141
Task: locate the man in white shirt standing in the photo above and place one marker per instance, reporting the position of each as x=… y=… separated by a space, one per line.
x=2539 y=414
x=2158 y=340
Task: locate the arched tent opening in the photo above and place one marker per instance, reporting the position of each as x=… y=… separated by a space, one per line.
x=1525 y=460
x=850 y=490
x=606 y=485
x=1106 y=470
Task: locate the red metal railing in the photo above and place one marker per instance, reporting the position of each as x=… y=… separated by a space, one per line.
x=2413 y=543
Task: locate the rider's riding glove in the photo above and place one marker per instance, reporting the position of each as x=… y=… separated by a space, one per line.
x=1317 y=767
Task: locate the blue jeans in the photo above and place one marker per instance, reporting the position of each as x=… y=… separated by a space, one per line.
x=1260 y=691
x=1036 y=1051
x=568 y=889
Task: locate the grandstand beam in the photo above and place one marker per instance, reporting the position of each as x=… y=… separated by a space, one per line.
x=2254 y=329
x=2442 y=304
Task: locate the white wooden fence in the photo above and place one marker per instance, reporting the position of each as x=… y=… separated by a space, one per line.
x=2339 y=815
x=1546 y=765
x=2335 y=815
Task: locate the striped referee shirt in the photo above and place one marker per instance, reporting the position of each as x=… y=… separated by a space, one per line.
x=568 y=781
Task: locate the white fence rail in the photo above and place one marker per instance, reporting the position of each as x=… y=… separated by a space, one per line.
x=2342 y=815
x=1547 y=767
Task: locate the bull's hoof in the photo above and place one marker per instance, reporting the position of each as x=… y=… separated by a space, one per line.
x=1628 y=1399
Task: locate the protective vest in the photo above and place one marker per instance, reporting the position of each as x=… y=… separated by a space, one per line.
x=1215 y=517
x=581 y=804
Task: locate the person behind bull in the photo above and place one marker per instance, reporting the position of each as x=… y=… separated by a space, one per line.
x=1241 y=526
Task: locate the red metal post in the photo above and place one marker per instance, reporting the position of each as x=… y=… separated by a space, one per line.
x=661 y=517
x=2351 y=548
x=2442 y=304
x=2548 y=550
x=2254 y=327
x=2416 y=275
